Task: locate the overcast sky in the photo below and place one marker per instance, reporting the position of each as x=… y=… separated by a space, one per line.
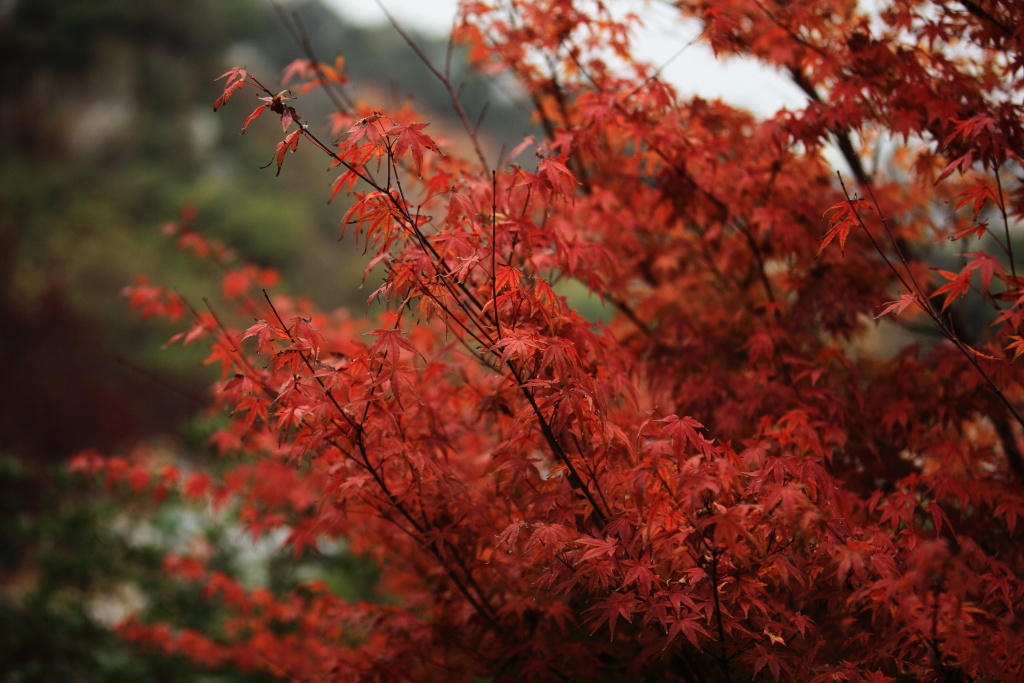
x=695 y=71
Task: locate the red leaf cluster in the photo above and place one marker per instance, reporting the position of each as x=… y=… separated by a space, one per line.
x=727 y=480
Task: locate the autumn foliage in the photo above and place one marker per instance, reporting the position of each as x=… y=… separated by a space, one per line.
x=731 y=478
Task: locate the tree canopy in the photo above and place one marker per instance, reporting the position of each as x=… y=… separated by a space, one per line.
x=726 y=480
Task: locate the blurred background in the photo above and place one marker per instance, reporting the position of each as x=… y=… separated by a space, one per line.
x=106 y=132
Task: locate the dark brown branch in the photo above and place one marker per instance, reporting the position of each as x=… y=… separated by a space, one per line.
x=723 y=652
x=842 y=136
x=980 y=13
x=1009 y=442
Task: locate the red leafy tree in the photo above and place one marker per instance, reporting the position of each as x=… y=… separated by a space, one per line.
x=725 y=481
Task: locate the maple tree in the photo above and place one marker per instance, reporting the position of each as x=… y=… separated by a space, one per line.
x=723 y=481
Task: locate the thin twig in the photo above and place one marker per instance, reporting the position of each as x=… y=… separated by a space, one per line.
x=158 y=379
x=494 y=251
x=945 y=328
x=446 y=81
x=1006 y=223
x=342 y=103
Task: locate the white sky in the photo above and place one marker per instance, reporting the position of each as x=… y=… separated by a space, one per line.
x=695 y=71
